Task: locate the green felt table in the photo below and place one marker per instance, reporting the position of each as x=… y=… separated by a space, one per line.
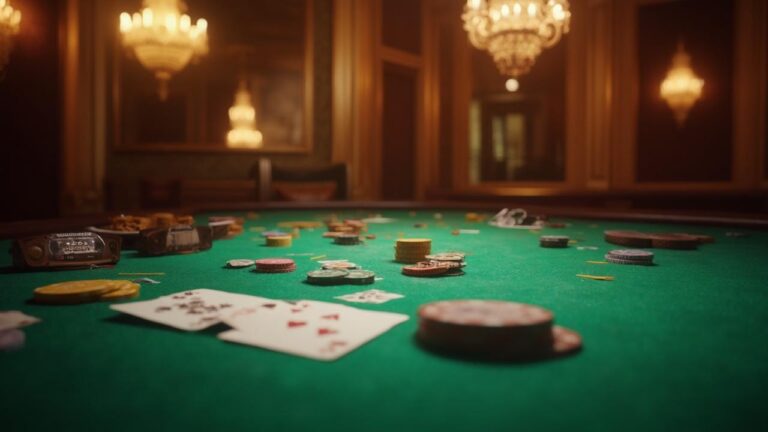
x=682 y=345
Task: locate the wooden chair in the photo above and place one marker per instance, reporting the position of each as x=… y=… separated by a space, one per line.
x=282 y=183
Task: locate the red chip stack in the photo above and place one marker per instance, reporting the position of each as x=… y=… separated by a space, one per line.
x=275 y=265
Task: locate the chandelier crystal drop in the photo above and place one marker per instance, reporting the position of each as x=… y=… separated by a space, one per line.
x=10 y=21
x=515 y=32
x=163 y=38
x=681 y=88
x=242 y=117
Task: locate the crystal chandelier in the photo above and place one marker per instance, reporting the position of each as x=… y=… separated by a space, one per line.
x=163 y=39
x=9 y=27
x=242 y=117
x=681 y=88
x=515 y=31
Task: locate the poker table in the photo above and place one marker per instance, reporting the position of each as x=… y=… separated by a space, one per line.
x=681 y=345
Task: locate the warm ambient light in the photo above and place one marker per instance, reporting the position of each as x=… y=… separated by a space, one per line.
x=10 y=21
x=163 y=39
x=242 y=117
x=512 y=85
x=681 y=88
x=515 y=31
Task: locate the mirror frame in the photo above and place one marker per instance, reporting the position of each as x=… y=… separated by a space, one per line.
x=159 y=147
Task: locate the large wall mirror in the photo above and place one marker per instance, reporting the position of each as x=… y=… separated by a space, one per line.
x=259 y=49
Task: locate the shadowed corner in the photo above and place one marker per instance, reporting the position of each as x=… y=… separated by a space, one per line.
x=490 y=359
x=130 y=320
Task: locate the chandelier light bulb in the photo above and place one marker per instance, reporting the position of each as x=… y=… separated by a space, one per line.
x=515 y=32
x=163 y=39
x=512 y=85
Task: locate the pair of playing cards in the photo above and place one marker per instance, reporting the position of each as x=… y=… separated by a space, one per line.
x=313 y=329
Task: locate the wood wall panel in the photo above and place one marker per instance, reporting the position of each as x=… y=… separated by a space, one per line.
x=401 y=25
x=30 y=115
x=398 y=139
x=701 y=149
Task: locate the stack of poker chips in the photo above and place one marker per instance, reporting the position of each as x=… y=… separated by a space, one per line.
x=496 y=330
x=279 y=240
x=637 y=239
x=433 y=268
x=84 y=291
x=347 y=239
x=348 y=226
x=630 y=256
x=411 y=251
x=553 y=241
x=439 y=264
x=337 y=276
x=274 y=265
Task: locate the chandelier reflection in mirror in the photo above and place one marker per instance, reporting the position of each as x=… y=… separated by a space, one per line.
x=163 y=38
x=10 y=21
x=515 y=32
x=242 y=117
x=681 y=88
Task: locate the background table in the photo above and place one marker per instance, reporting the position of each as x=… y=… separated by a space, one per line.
x=682 y=345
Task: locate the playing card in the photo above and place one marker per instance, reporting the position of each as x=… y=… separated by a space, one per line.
x=15 y=319
x=318 y=330
x=371 y=296
x=189 y=310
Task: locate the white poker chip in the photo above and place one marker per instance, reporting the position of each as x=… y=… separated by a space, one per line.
x=240 y=263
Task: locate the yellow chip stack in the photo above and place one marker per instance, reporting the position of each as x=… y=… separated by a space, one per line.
x=412 y=250
x=84 y=291
x=279 y=241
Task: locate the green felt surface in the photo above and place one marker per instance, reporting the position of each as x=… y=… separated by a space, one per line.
x=682 y=345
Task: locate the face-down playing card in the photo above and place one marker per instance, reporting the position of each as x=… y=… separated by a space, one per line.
x=191 y=310
x=318 y=330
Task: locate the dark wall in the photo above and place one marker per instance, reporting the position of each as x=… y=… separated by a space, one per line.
x=700 y=150
x=30 y=109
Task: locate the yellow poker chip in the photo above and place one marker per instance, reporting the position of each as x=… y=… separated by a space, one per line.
x=125 y=291
x=75 y=291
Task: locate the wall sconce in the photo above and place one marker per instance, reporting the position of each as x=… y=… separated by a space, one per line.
x=10 y=21
x=681 y=88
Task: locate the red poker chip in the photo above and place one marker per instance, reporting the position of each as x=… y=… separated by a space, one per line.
x=276 y=270
x=269 y=263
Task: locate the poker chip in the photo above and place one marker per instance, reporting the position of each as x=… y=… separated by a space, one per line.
x=240 y=263
x=701 y=238
x=341 y=265
x=74 y=292
x=125 y=291
x=630 y=256
x=274 y=265
x=279 y=241
x=347 y=239
x=446 y=256
x=361 y=277
x=327 y=277
x=552 y=241
x=428 y=269
x=628 y=238
x=495 y=330
x=273 y=233
x=413 y=250
x=674 y=241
